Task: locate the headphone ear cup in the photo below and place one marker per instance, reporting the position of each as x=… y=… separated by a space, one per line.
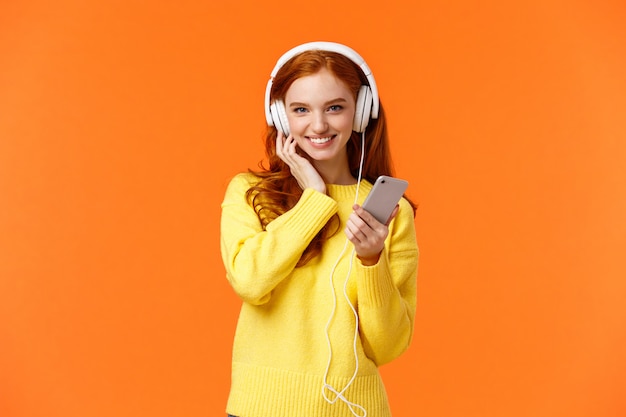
x=363 y=109
x=279 y=116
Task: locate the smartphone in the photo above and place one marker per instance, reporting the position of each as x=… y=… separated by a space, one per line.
x=384 y=197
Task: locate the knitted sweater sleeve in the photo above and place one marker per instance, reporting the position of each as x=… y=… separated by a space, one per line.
x=257 y=260
x=387 y=292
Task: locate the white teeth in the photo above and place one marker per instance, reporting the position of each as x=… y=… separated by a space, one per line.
x=320 y=140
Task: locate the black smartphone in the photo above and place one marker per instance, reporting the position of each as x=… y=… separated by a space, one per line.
x=384 y=197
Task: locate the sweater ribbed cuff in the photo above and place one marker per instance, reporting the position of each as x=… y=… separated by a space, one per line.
x=375 y=285
x=300 y=224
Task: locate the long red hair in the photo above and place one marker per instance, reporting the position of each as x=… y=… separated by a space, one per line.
x=277 y=190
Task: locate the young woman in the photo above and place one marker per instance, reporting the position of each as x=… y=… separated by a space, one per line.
x=328 y=291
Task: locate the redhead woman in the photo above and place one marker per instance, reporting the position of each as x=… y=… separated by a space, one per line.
x=328 y=292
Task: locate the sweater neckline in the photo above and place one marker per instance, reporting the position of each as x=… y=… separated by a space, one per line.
x=341 y=192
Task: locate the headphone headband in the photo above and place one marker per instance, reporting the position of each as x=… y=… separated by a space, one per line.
x=330 y=47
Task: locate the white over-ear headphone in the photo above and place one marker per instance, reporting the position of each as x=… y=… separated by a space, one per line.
x=367 y=102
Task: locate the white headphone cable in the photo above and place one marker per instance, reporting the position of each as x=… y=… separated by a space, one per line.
x=339 y=395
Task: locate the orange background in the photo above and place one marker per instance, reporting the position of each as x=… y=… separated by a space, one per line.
x=122 y=121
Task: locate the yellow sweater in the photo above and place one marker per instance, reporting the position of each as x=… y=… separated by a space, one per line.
x=281 y=352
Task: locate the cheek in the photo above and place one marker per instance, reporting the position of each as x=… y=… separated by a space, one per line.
x=296 y=124
x=346 y=123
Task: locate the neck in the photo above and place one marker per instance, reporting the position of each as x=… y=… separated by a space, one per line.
x=334 y=173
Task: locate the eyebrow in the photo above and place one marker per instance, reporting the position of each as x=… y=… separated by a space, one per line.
x=328 y=103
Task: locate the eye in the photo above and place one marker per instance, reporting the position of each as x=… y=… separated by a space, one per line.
x=299 y=110
x=335 y=108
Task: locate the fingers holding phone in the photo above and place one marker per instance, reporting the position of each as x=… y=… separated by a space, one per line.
x=367 y=234
x=367 y=227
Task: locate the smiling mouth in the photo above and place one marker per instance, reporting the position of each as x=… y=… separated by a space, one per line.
x=320 y=141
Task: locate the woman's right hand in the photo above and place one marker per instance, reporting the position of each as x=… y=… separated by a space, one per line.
x=301 y=168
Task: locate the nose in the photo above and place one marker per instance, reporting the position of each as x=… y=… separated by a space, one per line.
x=319 y=123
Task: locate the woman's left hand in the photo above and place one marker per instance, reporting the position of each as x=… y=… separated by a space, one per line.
x=367 y=234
